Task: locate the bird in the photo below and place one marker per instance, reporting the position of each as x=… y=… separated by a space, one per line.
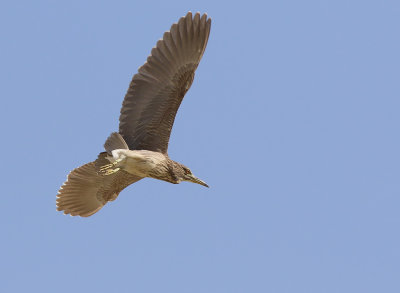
x=140 y=147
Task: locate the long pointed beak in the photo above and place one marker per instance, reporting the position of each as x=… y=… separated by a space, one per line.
x=198 y=181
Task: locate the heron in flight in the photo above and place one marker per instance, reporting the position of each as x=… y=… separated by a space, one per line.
x=140 y=148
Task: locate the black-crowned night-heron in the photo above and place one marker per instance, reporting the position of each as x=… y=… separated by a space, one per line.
x=148 y=112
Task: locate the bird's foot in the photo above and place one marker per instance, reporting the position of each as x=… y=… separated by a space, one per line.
x=109 y=168
x=106 y=172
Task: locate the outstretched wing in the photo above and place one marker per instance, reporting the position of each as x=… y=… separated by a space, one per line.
x=85 y=192
x=156 y=91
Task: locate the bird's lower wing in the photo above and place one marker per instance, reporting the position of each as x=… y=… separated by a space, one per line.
x=85 y=192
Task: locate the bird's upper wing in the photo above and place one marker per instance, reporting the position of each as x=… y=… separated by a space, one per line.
x=85 y=192
x=156 y=91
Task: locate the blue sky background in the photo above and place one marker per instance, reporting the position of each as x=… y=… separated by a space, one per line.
x=293 y=120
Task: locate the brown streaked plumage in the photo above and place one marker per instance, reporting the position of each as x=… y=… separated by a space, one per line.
x=140 y=149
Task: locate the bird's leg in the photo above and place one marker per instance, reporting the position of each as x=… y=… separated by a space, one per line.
x=108 y=169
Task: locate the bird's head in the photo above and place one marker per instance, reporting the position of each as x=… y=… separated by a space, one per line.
x=187 y=175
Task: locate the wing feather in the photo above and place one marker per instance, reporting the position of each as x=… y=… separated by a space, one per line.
x=156 y=91
x=85 y=192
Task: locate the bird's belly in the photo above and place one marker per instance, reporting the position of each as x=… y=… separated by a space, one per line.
x=138 y=167
x=140 y=163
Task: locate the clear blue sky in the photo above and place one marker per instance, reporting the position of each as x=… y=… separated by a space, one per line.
x=293 y=120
